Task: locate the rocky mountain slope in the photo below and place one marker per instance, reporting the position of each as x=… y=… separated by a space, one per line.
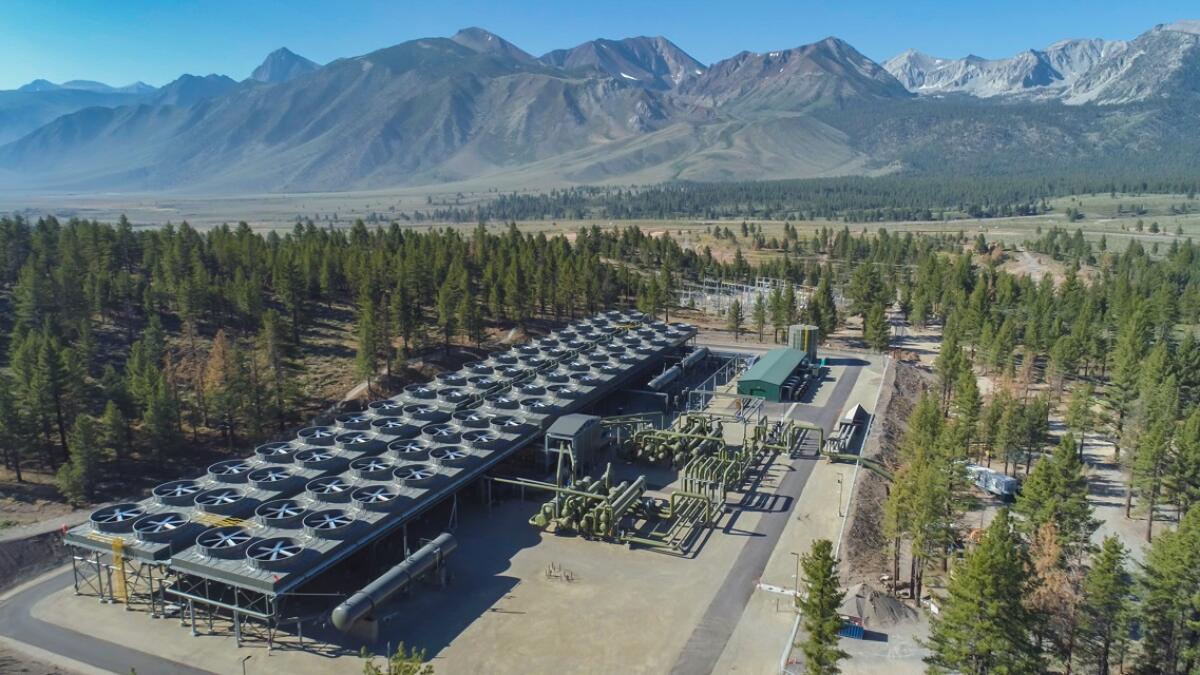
x=1161 y=63
x=653 y=62
x=190 y=89
x=282 y=65
x=829 y=71
x=1038 y=72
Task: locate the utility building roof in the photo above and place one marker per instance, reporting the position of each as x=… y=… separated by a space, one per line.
x=568 y=426
x=775 y=366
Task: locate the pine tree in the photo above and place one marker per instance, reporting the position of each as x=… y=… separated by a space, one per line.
x=1187 y=367
x=1152 y=452
x=1183 y=472
x=650 y=297
x=405 y=313
x=402 y=662
x=928 y=490
x=366 y=362
x=221 y=380
x=1104 y=615
x=824 y=309
x=114 y=430
x=666 y=287
x=1054 y=598
x=289 y=286
x=735 y=319
x=12 y=428
x=819 y=605
x=1127 y=365
x=759 y=315
x=1056 y=492
x=386 y=340
x=950 y=362
x=968 y=404
x=471 y=319
x=866 y=289
x=778 y=309
x=77 y=478
x=790 y=311
x=1168 y=588
x=876 y=330
x=273 y=351
x=1079 y=413
x=49 y=384
x=158 y=421
x=32 y=411
x=1009 y=433
x=983 y=626
x=447 y=303
x=144 y=367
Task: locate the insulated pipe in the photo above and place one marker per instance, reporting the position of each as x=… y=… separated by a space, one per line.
x=666 y=378
x=393 y=581
x=694 y=358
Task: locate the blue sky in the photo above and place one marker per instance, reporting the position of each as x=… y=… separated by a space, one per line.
x=119 y=41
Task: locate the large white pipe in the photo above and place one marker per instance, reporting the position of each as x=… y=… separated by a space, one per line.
x=393 y=581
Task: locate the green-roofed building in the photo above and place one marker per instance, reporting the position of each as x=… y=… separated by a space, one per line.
x=778 y=375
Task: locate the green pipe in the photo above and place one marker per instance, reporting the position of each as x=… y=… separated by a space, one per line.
x=667 y=434
x=685 y=495
x=870 y=464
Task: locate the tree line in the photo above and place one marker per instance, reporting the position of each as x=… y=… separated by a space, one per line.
x=1118 y=356
x=119 y=342
x=919 y=197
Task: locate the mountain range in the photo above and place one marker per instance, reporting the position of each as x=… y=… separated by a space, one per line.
x=1157 y=64
x=637 y=110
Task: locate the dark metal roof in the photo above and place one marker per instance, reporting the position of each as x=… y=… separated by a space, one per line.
x=775 y=366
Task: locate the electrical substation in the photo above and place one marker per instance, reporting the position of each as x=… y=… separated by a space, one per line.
x=616 y=429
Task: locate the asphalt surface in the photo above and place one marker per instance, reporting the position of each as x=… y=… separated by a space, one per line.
x=17 y=623
x=707 y=641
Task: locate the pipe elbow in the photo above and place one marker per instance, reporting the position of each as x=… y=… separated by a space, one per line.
x=345 y=615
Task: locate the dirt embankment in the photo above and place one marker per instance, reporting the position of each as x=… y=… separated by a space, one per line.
x=25 y=558
x=866 y=550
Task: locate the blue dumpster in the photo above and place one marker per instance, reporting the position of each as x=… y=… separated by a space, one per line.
x=851 y=630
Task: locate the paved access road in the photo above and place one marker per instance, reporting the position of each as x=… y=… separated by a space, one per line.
x=703 y=649
x=17 y=623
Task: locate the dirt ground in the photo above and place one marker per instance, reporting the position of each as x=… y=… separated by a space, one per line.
x=13 y=662
x=30 y=502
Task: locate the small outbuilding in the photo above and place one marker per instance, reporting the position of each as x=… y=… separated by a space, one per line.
x=778 y=375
